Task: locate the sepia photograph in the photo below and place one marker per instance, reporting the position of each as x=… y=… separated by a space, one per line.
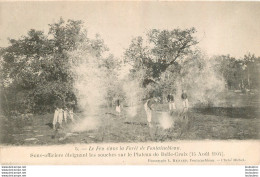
x=128 y=72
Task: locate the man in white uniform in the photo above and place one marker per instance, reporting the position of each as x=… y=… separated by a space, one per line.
x=71 y=115
x=148 y=109
x=118 y=107
x=170 y=99
x=185 y=103
x=58 y=117
x=65 y=114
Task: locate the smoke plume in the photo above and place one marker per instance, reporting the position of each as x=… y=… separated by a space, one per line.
x=203 y=85
x=89 y=88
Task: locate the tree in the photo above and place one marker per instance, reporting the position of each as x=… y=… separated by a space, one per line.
x=239 y=73
x=249 y=62
x=171 y=45
x=164 y=49
x=231 y=69
x=35 y=70
x=21 y=63
x=154 y=61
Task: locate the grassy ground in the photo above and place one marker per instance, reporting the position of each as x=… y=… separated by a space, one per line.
x=218 y=123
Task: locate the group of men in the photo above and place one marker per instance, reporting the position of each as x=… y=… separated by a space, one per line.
x=62 y=113
x=184 y=98
x=170 y=98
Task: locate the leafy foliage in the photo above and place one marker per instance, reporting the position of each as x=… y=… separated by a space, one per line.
x=239 y=73
x=35 y=69
x=151 y=62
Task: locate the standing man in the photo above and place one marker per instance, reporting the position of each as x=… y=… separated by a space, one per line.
x=185 y=103
x=118 y=108
x=65 y=113
x=71 y=114
x=170 y=99
x=58 y=117
x=55 y=117
x=71 y=110
x=148 y=109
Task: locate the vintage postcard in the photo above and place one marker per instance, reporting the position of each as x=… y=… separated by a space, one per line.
x=129 y=83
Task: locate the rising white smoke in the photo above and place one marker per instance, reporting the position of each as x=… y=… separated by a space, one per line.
x=133 y=94
x=165 y=120
x=89 y=87
x=203 y=85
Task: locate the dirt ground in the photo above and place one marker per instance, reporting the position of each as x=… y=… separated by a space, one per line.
x=215 y=123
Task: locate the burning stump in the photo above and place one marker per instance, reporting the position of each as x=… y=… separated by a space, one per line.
x=171 y=125
x=165 y=119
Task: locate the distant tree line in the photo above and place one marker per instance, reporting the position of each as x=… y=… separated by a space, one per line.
x=240 y=74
